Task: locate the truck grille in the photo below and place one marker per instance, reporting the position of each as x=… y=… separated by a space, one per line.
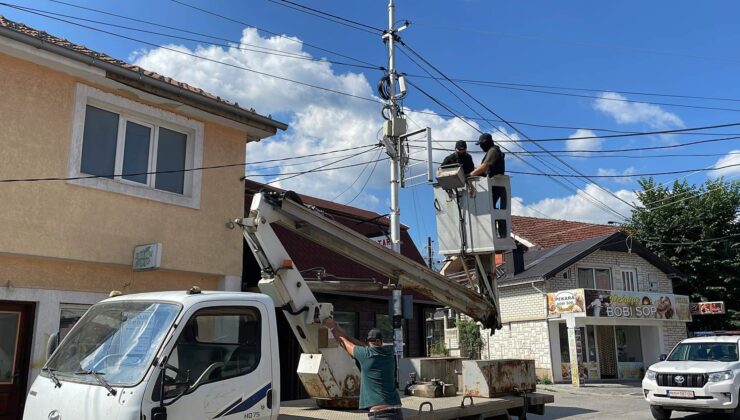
x=690 y=380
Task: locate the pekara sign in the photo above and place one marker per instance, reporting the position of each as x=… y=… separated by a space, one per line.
x=619 y=304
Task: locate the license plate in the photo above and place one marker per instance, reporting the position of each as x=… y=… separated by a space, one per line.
x=680 y=394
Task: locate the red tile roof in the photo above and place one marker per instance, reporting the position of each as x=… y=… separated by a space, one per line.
x=136 y=71
x=547 y=233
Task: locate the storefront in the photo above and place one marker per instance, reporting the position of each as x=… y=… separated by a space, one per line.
x=611 y=334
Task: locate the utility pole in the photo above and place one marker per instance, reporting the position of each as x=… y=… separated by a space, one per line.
x=430 y=253
x=394 y=127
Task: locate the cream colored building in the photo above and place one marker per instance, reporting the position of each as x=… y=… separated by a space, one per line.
x=68 y=113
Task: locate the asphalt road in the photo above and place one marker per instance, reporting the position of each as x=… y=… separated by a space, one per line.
x=578 y=407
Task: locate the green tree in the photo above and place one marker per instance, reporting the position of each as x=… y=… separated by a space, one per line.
x=469 y=339
x=679 y=223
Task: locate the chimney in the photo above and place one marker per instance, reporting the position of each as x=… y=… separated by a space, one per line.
x=514 y=261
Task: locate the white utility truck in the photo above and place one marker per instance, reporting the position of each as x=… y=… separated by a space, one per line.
x=213 y=355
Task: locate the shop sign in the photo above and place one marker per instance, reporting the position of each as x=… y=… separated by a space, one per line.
x=565 y=302
x=383 y=241
x=707 y=308
x=636 y=305
x=618 y=304
x=147 y=257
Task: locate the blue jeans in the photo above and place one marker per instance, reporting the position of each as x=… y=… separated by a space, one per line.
x=393 y=413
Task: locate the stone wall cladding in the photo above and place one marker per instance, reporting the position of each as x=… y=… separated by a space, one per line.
x=522 y=303
x=616 y=261
x=519 y=340
x=673 y=333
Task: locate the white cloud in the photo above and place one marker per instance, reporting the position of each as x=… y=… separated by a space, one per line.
x=654 y=116
x=625 y=179
x=319 y=120
x=578 y=207
x=577 y=143
x=732 y=158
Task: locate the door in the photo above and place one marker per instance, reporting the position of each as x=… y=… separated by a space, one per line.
x=15 y=348
x=629 y=280
x=221 y=365
x=607 y=351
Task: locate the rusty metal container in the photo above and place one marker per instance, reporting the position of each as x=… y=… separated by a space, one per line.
x=446 y=369
x=494 y=378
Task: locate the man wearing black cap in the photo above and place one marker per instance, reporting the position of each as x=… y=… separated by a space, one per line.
x=492 y=164
x=378 y=371
x=461 y=157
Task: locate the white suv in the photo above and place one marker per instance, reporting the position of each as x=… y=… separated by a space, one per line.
x=701 y=374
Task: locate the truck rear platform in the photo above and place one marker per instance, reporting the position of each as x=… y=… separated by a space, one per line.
x=427 y=408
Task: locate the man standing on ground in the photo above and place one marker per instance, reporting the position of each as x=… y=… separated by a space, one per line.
x=378 y=370
x=461 y=157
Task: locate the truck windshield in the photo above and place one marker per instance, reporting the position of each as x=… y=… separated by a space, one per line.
x=117 y=340
x=705 y=352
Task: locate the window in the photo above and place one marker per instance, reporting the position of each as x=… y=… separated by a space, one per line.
x=629 y=280
x=135 y=149
x=629 y=344
x=348 y=321
x=215 y=344
x=69 y=314
x=594 y=278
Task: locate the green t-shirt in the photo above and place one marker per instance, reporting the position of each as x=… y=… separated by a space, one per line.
x=377 y=380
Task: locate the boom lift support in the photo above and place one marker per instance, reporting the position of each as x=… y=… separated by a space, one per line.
x=328 y=373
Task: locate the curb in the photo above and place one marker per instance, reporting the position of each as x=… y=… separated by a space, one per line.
x=577 y=391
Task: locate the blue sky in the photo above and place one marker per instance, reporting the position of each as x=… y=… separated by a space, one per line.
x=663 y=47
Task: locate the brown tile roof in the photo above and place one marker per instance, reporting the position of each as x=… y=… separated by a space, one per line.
x=547 y=233
x=136 y=71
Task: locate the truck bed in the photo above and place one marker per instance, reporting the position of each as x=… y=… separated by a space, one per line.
x=443 y=408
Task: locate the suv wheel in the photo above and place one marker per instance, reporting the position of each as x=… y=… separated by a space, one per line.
x=660 y=413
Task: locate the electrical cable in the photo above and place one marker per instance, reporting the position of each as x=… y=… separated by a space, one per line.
x=182 y=3
x=630 y=175
x=367 y=165
x=367 y=180
x=328 y=16
x=269 y=51
x=582 y=154
x=202 y=57
x=320 y=168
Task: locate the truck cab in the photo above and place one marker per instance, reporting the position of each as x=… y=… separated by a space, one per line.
x=180 y=354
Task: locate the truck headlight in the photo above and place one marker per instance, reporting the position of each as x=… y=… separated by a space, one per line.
x=720 y=376
x=650 y=375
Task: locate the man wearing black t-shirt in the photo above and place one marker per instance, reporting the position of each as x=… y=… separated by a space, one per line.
x=492 y=164
x=461 y=157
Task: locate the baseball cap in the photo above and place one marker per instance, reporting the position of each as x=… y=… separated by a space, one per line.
x=374 y=335
x=461 y=144
x=484 y=138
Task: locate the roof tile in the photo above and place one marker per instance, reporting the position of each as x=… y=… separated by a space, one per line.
x=547 y=233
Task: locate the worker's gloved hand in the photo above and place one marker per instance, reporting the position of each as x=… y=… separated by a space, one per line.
x=330 y=323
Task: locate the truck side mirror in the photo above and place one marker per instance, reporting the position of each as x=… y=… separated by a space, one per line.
x=159 y=413
x=52 y=344
x=663 y=357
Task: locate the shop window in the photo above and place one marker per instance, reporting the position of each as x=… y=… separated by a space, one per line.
x=349 y=321
x=215 y=344
x=629 y=345
x=69 y=314
x=564 y=352
x=594 y=278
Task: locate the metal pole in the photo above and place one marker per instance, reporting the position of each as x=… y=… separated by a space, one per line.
x=395 y=211
x=430 y=253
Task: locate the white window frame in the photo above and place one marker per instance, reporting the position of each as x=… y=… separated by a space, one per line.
x=144 y=115
x=593 y=268
x=635 y=282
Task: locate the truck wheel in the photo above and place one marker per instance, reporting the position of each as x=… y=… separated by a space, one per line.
x=660 y=413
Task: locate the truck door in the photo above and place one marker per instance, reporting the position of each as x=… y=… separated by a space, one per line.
x=220 y=366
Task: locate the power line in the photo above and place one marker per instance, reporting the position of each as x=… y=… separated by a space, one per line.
x=320 y=168
x=512 y=126
x=202 y=57
x=275 y=51
x=581 y=154
x=629 y=175
x=328 y=16
x=367 y=180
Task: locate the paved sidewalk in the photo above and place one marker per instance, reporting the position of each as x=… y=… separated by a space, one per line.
x=608 y=389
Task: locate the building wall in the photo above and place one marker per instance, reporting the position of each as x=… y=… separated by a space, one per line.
x=520 y=340
x=63 y=221
x=616 y=261
x=673 y=332
x=522 y=303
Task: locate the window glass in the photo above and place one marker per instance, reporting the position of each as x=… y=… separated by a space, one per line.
x=348 y=321
x=136 y=152
x=171 y=157
x=585 y=278
x=99 y=142
x=564 y=352
x=629 y=346
x=705 y=352
x=215 y=344
x=603 y=279
x=8 y=343
x=68 y=317
x=590 y=334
